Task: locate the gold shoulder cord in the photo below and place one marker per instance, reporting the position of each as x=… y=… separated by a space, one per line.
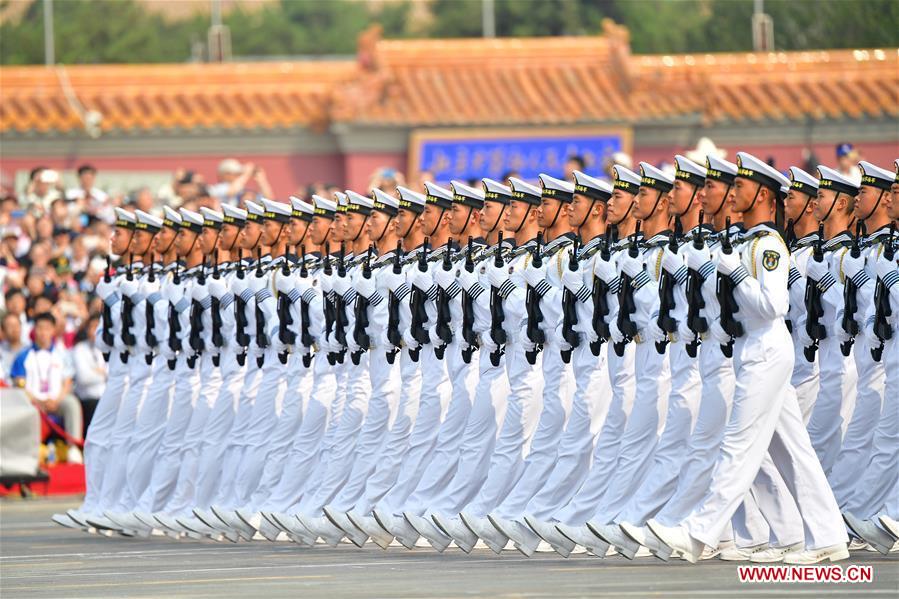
x=752 y=249
x=659 y=264
x=842 y=256
x=559 y=264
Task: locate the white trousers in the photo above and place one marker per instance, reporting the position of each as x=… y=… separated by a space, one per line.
x=672 y=450
x=168 y=458
x=766 y=418
x=590 y=404
x=517 y=431
x=98 y=441
x=558 y=389
x=805 y=379
x=622 y=373
x=641 y=433
x=478 y=442
x=837 y=391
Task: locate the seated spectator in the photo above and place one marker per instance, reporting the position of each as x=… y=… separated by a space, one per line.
x=17 y=304
x=90 y=368
x=44 y=372
x=42 y=189
x=11 y=344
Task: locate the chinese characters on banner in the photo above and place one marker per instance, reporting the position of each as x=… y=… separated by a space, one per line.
x=476 y=153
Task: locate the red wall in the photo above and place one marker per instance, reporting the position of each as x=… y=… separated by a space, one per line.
x=359 y=168
x=882 y=154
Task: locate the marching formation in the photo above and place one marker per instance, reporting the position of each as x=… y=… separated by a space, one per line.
x=697 y=366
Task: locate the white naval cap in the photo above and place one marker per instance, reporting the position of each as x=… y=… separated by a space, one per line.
x=688 y=171
x=593 y=188
x=212 y=218
x=301 y=209
x=719 y=169
x=803 y=182
x=750 y=167
x=494 y=191
x=556 y=189
x=255 y=212
x=147 y=222
x=875 y=176
x=356 y=202
x=829 y=178
x=626 y=179
x=523 y=191
x=411 y=200
x=232 y=215
x=341 y=201
x=191 y=220
x=170 y=217
x=467 y=195
x=655 y=178
x=384 y=202
x=276 y=211
x=324 y=207
x=124 y=218
x=437 y=195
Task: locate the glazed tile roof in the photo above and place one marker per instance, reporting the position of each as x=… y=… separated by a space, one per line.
x=514 y=81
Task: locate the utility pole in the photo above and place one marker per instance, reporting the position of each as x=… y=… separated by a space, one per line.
x=488 y=18
x=219 y=38
x=49 y=44
x=762 y=28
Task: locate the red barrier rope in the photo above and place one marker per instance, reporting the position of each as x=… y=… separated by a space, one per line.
x=59 y=430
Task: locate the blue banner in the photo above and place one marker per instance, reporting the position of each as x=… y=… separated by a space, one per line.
x=464 y=156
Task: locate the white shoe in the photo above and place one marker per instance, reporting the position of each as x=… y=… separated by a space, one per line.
x=403 y=532
x=292 y=526
x=79 y=517
x=455 y=529
x=654 y=544
x=103 y=523
x=678 y=539
x=371 y=528
x=858 y=545
x=269 y=531
x=774 y=554
x=612 y=534
x=322 y=528
x=67 y=521
x=583 y=537
x=890 y=525
x=74 y=455
x=485 y=531
x=240 y=523
x=549 y=533
x=833 y=553
x=251 y=519
x=339 y=519
x=210 y=520
x=169 y=526
x=129 y=522
x=195 y=525
x=525 y=540
x=870 y=532
x=740 y=554
x=429 y=531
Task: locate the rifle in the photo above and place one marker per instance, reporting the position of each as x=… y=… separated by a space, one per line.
x=419 y=312
x=442 y=326
x=814 y=308
x=150 y=317
x=882 y=308
x=626 y=305
x=360 y=335
x=569 y=309
x=695 y=302
x=850 y=293
x=261 y=338
x=665 y=321
x=106 y=332
x=600 y=299
x=216 y=306
x=328 y=303
x=725 y=293
x=174 y=321
x=305 y=337
x=340 y=319
x=393 y=310
x=497 y=314
x=468 y=333
x=532 y=304
x=285 y=335
x=127 y=314
x=195 y=340
x=240 y=314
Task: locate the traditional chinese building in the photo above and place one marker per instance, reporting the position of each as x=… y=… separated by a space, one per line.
x=461 y=107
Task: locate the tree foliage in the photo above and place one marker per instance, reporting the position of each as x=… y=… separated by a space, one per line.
x=122 y=31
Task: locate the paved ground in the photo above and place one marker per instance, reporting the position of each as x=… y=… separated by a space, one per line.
x=39 y=559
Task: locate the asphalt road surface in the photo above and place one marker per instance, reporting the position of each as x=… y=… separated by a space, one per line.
x=40 y=559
